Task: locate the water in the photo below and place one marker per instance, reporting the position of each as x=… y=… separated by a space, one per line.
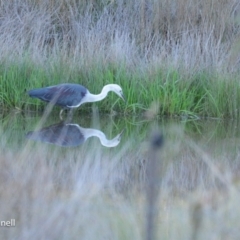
x=192 y=148
x=18 y=129
x=51 y=174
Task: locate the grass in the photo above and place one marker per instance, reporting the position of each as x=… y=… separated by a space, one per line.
x=200 y=95
x=182 y=55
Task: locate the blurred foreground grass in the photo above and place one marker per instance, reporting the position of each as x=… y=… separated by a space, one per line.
x=101 y=194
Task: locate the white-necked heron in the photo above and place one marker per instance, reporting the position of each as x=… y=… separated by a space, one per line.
x=69 y=95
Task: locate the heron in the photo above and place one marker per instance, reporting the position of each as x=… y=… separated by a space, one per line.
x=70 y=96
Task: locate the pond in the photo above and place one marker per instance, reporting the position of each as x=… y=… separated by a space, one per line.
x=186 y=143
x=93 y=171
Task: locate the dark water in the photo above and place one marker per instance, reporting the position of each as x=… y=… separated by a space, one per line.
x=190 y=147
x=213 y=135
x=18 y=129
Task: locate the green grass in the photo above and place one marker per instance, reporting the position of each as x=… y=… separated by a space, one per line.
x=182 y=57
x=198 y=95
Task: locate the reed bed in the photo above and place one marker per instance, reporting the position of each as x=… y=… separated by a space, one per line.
x=200 y=95
x=183 y=54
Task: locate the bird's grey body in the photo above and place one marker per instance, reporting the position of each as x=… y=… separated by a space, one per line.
x=66 y=95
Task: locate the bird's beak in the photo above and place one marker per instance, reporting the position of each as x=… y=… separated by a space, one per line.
x=123 y=98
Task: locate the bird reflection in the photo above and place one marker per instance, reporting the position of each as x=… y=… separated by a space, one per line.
x=70 y=135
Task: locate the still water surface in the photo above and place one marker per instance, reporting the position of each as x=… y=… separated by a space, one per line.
x=190 y=147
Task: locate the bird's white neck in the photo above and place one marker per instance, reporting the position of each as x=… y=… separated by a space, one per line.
x=98 y=97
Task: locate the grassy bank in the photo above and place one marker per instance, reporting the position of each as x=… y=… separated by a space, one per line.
x=200 y=94
x=181 y=54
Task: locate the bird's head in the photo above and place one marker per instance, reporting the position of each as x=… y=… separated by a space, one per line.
x=117 y=89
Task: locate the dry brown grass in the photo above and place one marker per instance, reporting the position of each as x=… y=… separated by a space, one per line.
x=190 y=34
